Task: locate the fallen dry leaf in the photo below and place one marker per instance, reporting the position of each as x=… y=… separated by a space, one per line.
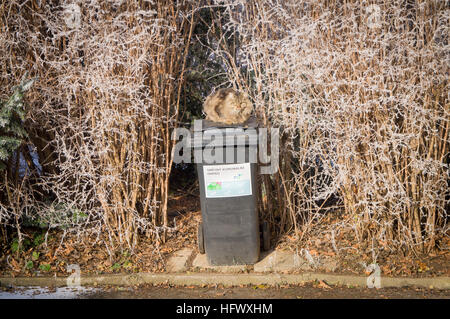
x=15 y=264
x=323 y=284
x=261 y=286
x=314 y=252
x=386 y=270
x=329 y=253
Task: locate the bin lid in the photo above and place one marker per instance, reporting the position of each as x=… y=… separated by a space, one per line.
x=252 y=122
x=214 y=134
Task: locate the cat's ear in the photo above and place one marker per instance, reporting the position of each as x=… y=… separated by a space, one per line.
x=244 y=96
x=232 y=94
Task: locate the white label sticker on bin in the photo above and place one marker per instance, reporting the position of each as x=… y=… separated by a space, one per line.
x=230 y=180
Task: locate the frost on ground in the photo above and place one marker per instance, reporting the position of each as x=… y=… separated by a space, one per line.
x=46 y=292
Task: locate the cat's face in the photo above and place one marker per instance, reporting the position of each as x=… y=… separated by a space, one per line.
x=234 y=102
x=245 y=104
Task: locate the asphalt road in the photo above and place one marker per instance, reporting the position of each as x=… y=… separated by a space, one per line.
x=308 y=291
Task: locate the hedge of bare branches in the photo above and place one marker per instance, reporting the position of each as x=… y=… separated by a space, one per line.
x=360 y=89
x=101 y=114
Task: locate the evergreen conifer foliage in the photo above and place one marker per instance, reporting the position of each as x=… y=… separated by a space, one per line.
x=12 y=115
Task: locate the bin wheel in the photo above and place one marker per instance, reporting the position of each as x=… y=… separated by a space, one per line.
x=200 y=239
x=266 y=236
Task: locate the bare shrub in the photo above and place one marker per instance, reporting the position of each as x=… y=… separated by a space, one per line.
x=102 y=112
x=359 y=88
x=361 y=92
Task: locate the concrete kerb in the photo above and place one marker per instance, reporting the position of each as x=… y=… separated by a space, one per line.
x=198 y=279
x=274 y=268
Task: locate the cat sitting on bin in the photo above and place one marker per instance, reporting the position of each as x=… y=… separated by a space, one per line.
x=228 y=106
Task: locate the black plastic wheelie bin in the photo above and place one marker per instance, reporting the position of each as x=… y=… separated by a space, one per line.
x=229 y=233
